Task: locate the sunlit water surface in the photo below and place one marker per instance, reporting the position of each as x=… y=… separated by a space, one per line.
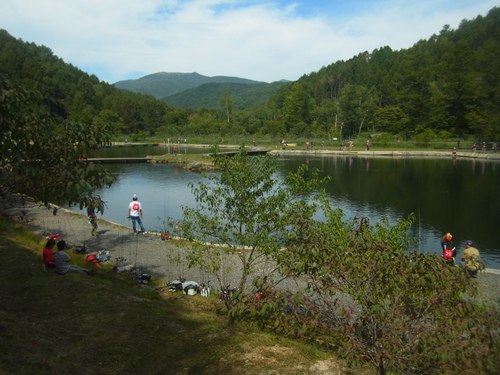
x=457 y=196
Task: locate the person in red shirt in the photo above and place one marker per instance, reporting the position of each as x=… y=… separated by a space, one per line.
x=48 y=254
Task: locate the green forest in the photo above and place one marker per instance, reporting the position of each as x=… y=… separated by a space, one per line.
x=445 y=87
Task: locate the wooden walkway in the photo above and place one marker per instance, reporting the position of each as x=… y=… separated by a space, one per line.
x=146 y=159
x=120 y=160
x=249 y=153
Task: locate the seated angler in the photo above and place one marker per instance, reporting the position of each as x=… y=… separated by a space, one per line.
x=48 y=254
x=62 y=262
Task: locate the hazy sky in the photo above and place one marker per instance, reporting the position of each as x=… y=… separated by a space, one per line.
x=264 y=40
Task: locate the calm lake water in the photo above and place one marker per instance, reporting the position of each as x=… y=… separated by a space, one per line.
x=457 y=196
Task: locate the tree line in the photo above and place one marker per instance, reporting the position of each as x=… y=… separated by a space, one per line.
x=446 y=86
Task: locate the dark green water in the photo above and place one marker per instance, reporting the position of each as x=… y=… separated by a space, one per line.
x=457 y=196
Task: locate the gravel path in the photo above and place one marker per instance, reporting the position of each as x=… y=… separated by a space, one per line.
x=153 y=255
x=145 y=251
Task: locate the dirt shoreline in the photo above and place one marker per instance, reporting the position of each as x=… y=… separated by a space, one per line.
x=154 y=256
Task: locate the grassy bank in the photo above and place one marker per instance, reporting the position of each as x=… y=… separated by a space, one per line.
x=107 y=324
x=391 y=143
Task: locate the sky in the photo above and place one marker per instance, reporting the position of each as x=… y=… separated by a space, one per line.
x=263 y=40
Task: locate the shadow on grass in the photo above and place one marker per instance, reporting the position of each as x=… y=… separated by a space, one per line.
x=107 y=324
x=101 y=324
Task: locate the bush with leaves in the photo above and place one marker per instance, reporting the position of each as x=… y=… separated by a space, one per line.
x=408 y=314
x=367 y=294
x=44 y=158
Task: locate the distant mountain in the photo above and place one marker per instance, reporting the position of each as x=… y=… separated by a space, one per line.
x=162 y=84
x=244 y=95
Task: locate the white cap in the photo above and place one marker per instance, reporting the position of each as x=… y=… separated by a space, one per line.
x=134 y=196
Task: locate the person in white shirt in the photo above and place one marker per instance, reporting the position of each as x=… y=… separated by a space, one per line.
x=135 y=213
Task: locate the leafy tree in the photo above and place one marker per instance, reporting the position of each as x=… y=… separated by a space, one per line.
x=227 y=105
x=203 y=122
x=111 y=119
x=357 y=106
x=44 y=158
x=79 y=110
x=405 y=304
x=273 y=128
x=426 y=137
x=326 y=116
x=300 y=129
x=241 y=213
x=298 y=105
x=448 y=82
x=388 y=118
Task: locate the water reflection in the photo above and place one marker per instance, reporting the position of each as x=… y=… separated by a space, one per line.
x=446 y=195
x=459 y=196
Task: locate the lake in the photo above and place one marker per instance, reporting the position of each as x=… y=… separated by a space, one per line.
x=460 y=196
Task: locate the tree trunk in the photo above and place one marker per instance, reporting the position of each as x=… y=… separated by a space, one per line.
x=361 y=125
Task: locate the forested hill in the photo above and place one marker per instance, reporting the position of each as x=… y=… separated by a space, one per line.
x=446 y=86
x=442 y=88
x=162 y=84
x=193 y=90
x=69 y=94
x=244 y=95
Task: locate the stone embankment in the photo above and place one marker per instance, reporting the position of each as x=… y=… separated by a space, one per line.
x=391 y=153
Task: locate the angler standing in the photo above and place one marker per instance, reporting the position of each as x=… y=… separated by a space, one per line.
x=449 y=252
x=135 y=213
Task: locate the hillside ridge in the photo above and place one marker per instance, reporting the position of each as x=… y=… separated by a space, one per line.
x=164 y=84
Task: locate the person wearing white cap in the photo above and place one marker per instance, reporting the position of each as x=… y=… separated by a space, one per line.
x=135 y=213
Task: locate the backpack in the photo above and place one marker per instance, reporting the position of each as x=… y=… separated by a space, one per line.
x=92 y=258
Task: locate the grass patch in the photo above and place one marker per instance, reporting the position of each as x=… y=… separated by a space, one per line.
x=183 y=158
x=106 y=324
